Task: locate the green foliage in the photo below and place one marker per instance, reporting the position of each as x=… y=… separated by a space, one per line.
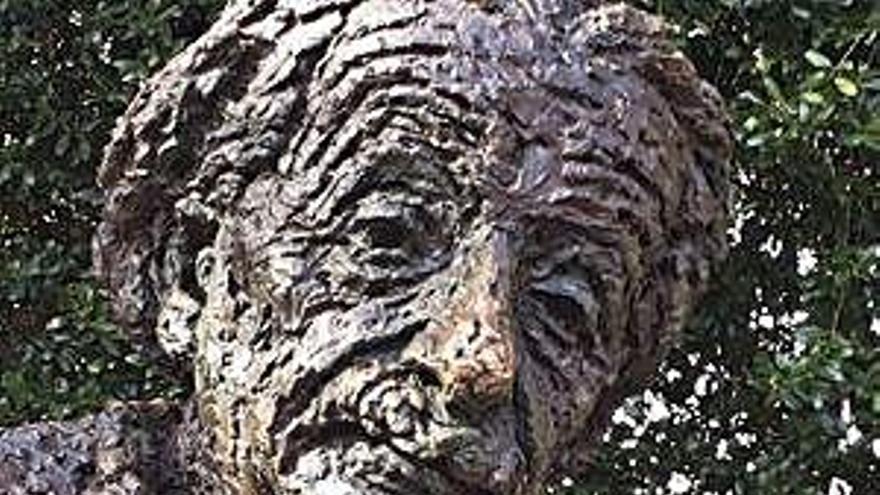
x=77 y=362
x=776 y=388
x=67 y=70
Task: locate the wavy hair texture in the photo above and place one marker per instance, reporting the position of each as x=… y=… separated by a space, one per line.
x=242 y=90
x=311 y=199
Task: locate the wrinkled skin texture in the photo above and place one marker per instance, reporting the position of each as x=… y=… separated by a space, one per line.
x=414 y=247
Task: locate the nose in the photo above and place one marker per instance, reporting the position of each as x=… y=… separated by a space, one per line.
x=471 y=342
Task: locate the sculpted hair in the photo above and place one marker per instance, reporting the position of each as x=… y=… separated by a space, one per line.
x=243 y=90
x=424 y=245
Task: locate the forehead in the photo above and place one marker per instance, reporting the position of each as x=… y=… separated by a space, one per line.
x=467 y=95
x=457 y=108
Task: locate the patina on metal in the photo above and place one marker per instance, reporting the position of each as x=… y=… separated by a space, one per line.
x=412 y=247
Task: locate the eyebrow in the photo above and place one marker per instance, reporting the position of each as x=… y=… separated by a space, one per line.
x=397 y=135
x=327 y=140
x=397 y=173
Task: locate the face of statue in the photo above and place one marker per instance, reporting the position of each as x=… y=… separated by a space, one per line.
x=467 y=241
x=453 y=290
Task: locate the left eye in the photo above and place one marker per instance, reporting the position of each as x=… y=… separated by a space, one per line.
x=387 y=233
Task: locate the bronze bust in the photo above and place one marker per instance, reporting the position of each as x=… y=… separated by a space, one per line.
x=412 y=247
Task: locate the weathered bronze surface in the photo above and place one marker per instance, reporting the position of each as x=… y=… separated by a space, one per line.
x=410 y=247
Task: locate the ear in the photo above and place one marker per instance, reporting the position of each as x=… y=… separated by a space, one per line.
x=175 y=325
x=195 y=135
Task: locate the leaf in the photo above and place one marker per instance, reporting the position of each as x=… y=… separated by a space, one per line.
x=846 y=86
x=62 y=145
x=773 y=89
x=813 y=98
x=761 y=62
x=868 y=135
x=873 y=84
x=817 y=59
x=757 y=140
x=751 y=123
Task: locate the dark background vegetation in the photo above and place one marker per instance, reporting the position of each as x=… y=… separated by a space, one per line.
x=776 y=386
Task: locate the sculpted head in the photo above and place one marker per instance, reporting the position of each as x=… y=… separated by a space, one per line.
x=414 y=247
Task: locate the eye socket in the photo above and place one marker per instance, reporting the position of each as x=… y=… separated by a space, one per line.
x=563 y=308
x=395 y=240
x=387 y=233
x=390 y=237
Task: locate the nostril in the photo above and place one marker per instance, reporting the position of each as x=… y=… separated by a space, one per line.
x=463 y=407
x=426 y=376
x=476 y=326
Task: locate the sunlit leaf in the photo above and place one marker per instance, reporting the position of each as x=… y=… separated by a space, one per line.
x=846 y=86
x=817 y=59
x=813 y=97
x=751 y=123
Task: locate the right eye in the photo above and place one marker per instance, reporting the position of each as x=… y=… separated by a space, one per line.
x=396 y=238
x=388 y=241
